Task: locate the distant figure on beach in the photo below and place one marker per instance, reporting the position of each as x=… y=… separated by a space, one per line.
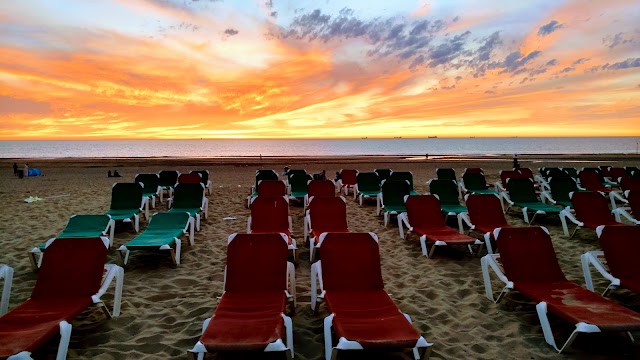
x=285 y=173
x=109 y=174
x=338 y=177
x=26 y=170
x=516 y=165
x=116 y=174
x=320 y=176
x=15 y=169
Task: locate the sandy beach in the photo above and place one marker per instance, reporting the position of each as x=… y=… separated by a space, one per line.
x=163 y=306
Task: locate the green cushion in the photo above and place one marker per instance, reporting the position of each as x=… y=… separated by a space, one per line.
x=122 y=214
x=370 y=193
x=395 y=208
x=298 y=194
x=538 y=206
x=192 y=211
x=456 y=209
x=487 y=191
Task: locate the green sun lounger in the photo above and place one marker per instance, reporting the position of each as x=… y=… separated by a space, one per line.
x=167 y=180
x=522 y=194
x=78 y=226
x=126 y=203
x=150 y=189
x=367 y=187
x=190 y=198
x=391 y=198
x=406 y=176
x=559 y=190
x=162 y=233
x=447 y=192
x=261 y=174
x=475 y=183
x=298 y=186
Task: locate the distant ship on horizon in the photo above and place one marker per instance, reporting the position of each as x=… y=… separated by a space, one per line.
x=432 y=137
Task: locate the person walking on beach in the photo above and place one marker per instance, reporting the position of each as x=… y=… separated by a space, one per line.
x=516 y=165
x=26 y=169
x=15 y=169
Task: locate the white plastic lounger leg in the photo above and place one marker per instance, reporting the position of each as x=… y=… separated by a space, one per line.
x=65 y=336
x=386 y=218
x=127 y=252
x=586 y=271
x=328 y=345
x=489 y=261
x=487 y=242
x=288 y=325
x=191 y=229
x=198 y=222
x=23 y=355
x=198 y=349
x=421 y=343
x=6 y=272
x=136 y=224
x=423 y=245
x=525 y=215
x=541 y=308
x=112 y=229
x=113 y=272
x=563 y=220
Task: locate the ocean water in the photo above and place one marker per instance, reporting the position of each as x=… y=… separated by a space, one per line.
x=324 y=147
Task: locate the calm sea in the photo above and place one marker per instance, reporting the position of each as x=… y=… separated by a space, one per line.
x=336 y=147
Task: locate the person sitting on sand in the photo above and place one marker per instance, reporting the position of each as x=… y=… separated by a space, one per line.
x=116 y=174
x=15 y=169
x=109 y=173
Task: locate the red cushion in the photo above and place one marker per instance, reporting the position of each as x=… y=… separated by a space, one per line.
x=348 y=177
x=32 y=323
x=486 y=212
x=424 y=211
x=273 y=188
x=621 y=246
x=577 y=304
x=371 y=318
x=256 y=262
x=591 y=181
x=269 y=215
x=328 y=214
x=634 y=202
x=446 y=234
x=592 y=209
x=321 y=188
x=351 y=261
x=246 y=321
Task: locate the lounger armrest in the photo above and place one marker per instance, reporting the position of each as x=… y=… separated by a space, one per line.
x=461 y=187
x=593 y=258
x=625 y=214
x=506 y=198
x=6 y=273
x=291 y=282
x=316 y=280
x=112 y=272
x=569 y=215
x=249 y=225
x=465 y=217
x=491 y=261
x=307 y=226
x=402 y=222
x=498 y=187
x=169 y=202
x=545 y=196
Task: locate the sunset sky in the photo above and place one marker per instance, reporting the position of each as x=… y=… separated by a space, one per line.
x=318 y=69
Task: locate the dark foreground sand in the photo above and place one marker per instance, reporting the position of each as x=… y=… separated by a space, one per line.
x=163 y=307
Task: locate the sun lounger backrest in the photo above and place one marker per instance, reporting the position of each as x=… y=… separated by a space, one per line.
x=292 y=172
x=633 y=197
x=191 y=178
x=299 y=182
x=403 y=175
x=615 y=173
x=394 y=191
x=505 y=175
x=485 y=210
x=321 y=188
x=368 y=181
x=561 y=187
x=474 y=181
x=447 y=190
x=82 y=223
x=590 y=180
x=629 y=183
x=269 y=214
x=591 y=207
x=126 y=196
x=351 y=262
x=167 y=221
x=256 y=262
x=522 y=190
x=621 y=246
x=348 y=176
x=168 y=178
x=526 y=173
x=204 y=175
x=149 y=182
x=71 y=268
x=475 y=170
x=446 y=173
x=272 y=188
x=328 y=212
x=424 y=211
x=527 y=255
x=554 y=172
x=631 y=170
x=188 y=195
x=383 y=174
x=571 y=172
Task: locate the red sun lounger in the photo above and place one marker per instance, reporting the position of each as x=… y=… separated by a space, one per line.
x=325 y=214
x=348 y=179
x=424 y=218
x=268 y=188
x=621 y=246
x=485 y=215
x=270 y=215
x=72 y=277
x=631 y=212
x=362 y=314
x=250 y=315
x=590 y=210
x=528 y=264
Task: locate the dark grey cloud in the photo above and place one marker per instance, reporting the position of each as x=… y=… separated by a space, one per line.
x=269 y=4
x=448 y=50
x=620 y=38
x=568 y=69
x=12 y=105
x=514 y=62
x=552 y=62
x=231 y=32
x=537 y=71
x=627 y=64
x=580 y=61
x=549 y=28
x=489 y=92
